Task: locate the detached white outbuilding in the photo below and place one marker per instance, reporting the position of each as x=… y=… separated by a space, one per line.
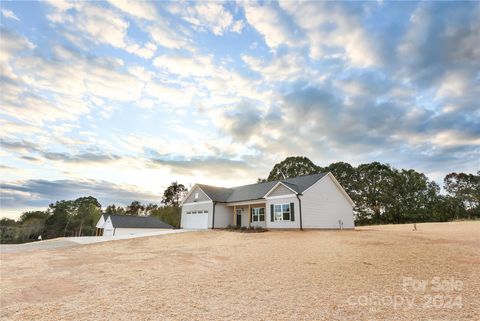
x=115 y=225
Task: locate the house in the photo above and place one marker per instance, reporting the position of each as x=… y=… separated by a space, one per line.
x=315 y=201
x=114 y=225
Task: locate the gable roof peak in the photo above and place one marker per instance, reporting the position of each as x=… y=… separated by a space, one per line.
x=257 y=190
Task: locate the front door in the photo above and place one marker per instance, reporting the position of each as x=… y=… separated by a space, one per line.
x=239 y=218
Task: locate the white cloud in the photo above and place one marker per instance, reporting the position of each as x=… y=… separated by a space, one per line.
x=279 y=68
x=185 y=66
x=333 y=32
x=146 y=51
x=162 y=34
x=100 y=25
x=238 y=26
x=139 y=9
x=12 y=44
x=212 y=16
x=268 y=22
x=103 y=26
x=9 y=14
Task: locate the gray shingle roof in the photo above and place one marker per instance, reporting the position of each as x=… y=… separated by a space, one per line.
x=257 y=191
x=129 y=221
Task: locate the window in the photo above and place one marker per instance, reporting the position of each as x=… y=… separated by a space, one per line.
x=258 y=214
x=282 y=212
x=196 y=196
x=197 y=212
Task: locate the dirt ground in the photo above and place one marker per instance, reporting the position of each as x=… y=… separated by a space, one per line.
x=372 y=273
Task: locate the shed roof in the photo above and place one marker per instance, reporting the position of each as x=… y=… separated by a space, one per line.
x=130 y=221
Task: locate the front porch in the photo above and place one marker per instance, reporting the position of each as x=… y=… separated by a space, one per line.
x=249 y=214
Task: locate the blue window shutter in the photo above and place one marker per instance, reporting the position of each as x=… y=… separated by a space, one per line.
x=292 y=212
x=271 y=212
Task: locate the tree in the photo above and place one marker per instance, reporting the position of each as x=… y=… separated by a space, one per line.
x=466 y=188
x=135 y=208
x=345 y=174
x=87 y=212
x=169 y=214
x=407 y=196
x=372 y=186
x=150 y=207
x=60 y=217
x=293 y=166
x=174 y=194
x=114 y=210
x=31 y=225
x=8 y=228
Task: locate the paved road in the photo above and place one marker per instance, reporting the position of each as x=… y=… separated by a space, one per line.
x=74 y=241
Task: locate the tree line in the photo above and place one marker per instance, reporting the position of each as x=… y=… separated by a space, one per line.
x=78 y=217
x=383 y=194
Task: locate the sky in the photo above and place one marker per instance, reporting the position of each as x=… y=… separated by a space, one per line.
x=118 y=99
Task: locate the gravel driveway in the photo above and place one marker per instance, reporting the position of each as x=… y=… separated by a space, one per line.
x=39 y=245
x=64 y=242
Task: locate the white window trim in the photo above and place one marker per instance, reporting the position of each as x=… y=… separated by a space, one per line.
x=281 y=206
x=258 y=215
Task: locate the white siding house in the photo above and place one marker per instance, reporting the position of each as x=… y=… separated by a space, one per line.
x=306 y=202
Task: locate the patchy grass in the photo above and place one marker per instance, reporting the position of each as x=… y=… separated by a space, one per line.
x=244 y=229
x=280 y=275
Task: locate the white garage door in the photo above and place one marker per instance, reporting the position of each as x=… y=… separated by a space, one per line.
x=196 y=220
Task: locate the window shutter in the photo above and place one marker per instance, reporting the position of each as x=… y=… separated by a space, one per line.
x=292 y=212
x=251 y=214
x=271 y=212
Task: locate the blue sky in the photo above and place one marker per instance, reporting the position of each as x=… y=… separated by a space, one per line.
x=117 y=99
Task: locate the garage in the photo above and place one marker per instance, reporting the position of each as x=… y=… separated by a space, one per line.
x=117 y=225
x=195 y=219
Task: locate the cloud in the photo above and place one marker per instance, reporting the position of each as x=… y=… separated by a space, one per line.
x=212 y=16
x=242 y=121
x=21 y=146
x=272 y=24
x=9 y=14
x=139 y=9
x=39 y=192
x=211 y=166
x=64 y=88
x=334 y=31
x=101 y=26
x=12 y=45
x=81 y=158
x=164 y=35
x=440 y=38
x=185 y=66
x=27 y=149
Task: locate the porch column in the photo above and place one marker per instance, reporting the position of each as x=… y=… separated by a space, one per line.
x=234 y=222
